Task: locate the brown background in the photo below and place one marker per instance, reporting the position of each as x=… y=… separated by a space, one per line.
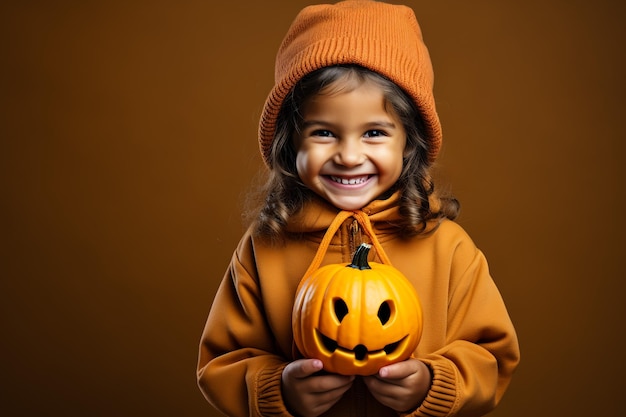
x=129 y=139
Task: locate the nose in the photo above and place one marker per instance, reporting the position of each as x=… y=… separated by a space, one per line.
x=349 y=153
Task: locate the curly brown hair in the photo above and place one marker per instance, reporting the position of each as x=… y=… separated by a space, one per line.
x=283 y=193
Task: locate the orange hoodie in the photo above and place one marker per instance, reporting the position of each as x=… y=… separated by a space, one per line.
x=468 y=340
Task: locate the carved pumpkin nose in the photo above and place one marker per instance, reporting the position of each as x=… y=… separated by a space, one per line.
x=360 y=352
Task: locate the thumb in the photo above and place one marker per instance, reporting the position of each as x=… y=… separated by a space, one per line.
x=307 y=367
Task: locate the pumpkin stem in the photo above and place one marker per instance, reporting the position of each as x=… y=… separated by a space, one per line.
x=359 y=260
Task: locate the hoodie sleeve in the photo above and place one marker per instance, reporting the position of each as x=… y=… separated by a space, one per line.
x=239 y=371
x=473 y=368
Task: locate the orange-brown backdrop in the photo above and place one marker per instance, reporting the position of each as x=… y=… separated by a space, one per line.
x=128 y=139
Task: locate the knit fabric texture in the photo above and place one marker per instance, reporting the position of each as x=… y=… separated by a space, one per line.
x=382 y=37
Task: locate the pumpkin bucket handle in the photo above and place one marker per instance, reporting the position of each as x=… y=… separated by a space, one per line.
x=363 y=220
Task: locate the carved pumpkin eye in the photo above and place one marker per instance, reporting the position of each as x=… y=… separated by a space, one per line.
x=384 y=312
x=341 y=309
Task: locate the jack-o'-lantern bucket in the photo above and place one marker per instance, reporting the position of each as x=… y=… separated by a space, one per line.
x=357 y=317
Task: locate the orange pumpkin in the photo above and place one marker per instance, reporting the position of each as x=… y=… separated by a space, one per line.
x=357 y=317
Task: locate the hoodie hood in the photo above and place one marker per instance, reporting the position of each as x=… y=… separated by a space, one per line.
x=318 y=214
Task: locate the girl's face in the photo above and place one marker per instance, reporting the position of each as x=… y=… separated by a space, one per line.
x=350 y=147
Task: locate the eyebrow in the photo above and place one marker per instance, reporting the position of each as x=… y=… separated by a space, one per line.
x=382 y=124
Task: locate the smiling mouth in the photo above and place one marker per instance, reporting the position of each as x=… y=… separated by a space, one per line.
x=349 y=181
x=360 y=351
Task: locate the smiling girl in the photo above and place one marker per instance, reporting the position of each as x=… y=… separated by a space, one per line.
x=349 y=134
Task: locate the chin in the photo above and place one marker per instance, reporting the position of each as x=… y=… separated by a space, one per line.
x=349 y=206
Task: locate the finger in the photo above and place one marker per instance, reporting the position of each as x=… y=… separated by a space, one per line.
x=380 y=386
x=399 y=370
x=307 y=367
x=331 y=383
x=392 y=395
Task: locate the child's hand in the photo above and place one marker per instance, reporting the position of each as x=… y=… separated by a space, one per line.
x=401 y=386
x=309 y=394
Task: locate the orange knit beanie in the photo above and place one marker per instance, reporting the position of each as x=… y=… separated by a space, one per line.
x=383 y=37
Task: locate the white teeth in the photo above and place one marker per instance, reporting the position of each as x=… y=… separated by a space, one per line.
x=351 y=181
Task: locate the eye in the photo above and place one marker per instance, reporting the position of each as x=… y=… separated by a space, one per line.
x=341 y=309
x=374 y=133
x=384 y=312
x=322 y=133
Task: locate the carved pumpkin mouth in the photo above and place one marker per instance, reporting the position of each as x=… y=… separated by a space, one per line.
x=360 y=351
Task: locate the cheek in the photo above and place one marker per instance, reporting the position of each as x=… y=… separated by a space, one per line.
x=309 y=161
x=306 y=168
x=390 y=164
x=301 y=163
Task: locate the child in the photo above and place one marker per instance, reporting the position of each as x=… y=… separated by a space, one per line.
x=350 y=132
